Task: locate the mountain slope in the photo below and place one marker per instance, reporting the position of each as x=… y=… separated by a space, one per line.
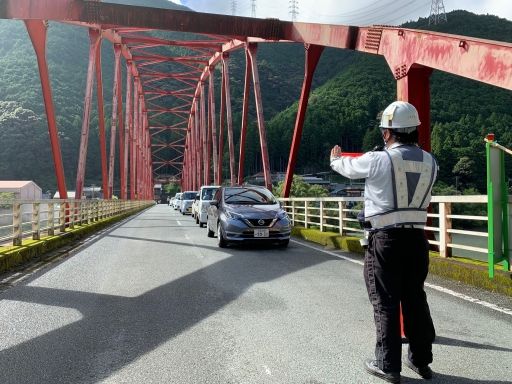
x=344 y=111
x=280 y=67
x=353 y=88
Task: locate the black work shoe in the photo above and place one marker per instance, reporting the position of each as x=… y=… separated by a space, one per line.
x=372 y=368
x=424 y=372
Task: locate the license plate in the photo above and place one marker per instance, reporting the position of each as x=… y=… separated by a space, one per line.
x=261 y=232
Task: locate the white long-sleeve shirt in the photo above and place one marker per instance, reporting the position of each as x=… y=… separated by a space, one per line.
x=376 y=168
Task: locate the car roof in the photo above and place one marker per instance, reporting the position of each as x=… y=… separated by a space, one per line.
x=246 y=187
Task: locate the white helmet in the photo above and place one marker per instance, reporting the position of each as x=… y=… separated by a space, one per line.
x=400 y=116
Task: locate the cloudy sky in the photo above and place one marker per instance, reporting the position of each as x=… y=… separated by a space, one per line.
x=362 y=12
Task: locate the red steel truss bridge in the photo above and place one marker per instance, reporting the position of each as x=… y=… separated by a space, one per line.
x=177 y=85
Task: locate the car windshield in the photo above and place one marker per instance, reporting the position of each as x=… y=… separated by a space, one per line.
x=189 y=195
x=246 y=195
x=207 y=193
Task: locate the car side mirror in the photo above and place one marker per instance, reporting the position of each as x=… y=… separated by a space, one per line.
x=215 y=203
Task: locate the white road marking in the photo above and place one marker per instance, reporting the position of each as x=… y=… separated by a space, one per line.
x=179 y=222
x=470 y=299
x=330 y=253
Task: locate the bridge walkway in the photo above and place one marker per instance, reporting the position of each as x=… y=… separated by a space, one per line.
x=154 y=300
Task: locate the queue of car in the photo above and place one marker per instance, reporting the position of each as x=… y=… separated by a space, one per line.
x=236 y=215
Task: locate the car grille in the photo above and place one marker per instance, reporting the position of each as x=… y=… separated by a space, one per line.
x=261 y=223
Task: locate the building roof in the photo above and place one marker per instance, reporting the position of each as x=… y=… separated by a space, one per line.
x=14 y=183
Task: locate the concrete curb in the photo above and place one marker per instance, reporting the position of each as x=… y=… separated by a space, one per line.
x=36 y=250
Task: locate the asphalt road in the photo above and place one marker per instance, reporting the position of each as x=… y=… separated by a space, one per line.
x=153 y=300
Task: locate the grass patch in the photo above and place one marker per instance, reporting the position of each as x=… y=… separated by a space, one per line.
x=467 y=271
x=329 y=239
x=475 y=274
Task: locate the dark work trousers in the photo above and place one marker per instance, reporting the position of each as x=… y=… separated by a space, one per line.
x=395 y=268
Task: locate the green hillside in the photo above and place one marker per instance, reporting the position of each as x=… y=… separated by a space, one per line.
x=351 y=89
x=344 y=111
x=280 y=66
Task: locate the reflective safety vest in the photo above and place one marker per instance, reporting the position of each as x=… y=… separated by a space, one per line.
x=413 y=172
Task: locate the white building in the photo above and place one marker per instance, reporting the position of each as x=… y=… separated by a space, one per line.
x=23 y=190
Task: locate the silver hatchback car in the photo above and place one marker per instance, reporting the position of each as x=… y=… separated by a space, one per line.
x=247 y=214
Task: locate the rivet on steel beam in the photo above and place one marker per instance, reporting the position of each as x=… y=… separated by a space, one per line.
x=401 y=32
x=463 y=44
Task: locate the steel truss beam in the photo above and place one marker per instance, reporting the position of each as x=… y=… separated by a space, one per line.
x=410 y=54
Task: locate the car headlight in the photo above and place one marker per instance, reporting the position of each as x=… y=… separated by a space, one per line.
x=233 y=215
x=282 y=215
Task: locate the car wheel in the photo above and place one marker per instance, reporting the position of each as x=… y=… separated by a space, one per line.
x=209 y=232
x=221 y=242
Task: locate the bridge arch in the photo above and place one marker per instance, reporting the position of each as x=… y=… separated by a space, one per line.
x=410 y=54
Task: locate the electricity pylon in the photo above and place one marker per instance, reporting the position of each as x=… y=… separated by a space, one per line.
x=253 y=8
x=233 y=7
x=294 y=9
x=437 y=12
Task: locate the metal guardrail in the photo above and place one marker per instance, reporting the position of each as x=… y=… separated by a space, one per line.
x=339 y=214
x=28 y=219
x=31 y=219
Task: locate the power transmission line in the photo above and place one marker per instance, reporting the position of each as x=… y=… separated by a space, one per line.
x=437 y=12
x=395 y=13
x=294 y=9
x=377 y=12
x=253 y=8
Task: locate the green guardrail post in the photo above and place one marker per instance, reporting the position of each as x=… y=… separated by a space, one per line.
x=497 y=206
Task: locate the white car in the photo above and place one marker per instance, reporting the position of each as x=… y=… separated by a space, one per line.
x=187 y=198
x=177 y=201
x=206 y=194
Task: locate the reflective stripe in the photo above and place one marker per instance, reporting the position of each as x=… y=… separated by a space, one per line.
x=426 y=199
x=393 y=179
x=394 y=218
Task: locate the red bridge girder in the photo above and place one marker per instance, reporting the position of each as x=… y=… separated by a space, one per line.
x=410 y=54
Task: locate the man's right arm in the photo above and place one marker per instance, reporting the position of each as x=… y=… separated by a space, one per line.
x=353 y=167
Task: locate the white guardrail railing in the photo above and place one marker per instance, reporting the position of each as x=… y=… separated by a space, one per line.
x=31 y=219
x=447 y=229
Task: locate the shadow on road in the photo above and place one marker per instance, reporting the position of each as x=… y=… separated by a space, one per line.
x=116 y=331
x=468 y=344
x=439 y=378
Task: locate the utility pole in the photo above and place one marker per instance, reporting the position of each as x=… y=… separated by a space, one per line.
x=233 y=7
x=294 y=9
x=437 y=13
x=253 y=8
